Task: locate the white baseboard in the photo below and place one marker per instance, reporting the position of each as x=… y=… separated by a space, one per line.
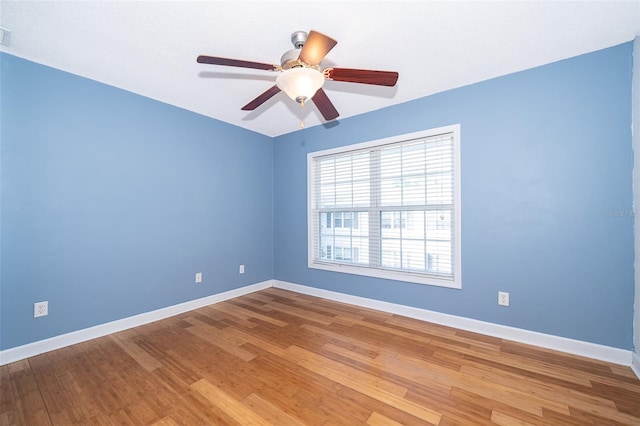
x=635 y=363
x=576 y=347
x=21 y=352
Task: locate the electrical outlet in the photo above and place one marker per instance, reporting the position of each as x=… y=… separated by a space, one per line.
x=198 y=277
x=40 y=309
x=503 y=298
x=241 y=269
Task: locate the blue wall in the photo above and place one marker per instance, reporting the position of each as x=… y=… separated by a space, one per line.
x=546 y=170
x=111 y=202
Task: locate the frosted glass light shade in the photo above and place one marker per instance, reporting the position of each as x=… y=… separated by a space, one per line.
x=300 y=83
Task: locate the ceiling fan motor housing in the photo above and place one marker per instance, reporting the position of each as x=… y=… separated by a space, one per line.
x=290 y=59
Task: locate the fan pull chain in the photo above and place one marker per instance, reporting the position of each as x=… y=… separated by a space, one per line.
x=302 y=114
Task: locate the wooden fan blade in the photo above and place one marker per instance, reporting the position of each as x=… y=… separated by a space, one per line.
x=380 y=78
x=316 y=48
x=264 y=97
x=214 y=60
x=326 y=108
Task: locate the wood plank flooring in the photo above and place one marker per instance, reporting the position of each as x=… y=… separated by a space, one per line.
x=280 y=358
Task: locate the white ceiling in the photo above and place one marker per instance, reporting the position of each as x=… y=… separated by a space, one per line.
x=150 y=47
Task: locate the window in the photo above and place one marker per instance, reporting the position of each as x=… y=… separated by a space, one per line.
x=388 y=208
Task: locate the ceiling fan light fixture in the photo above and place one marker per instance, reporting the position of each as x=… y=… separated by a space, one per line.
x=300 y=83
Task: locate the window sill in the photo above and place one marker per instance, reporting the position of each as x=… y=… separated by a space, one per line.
x=387 y=274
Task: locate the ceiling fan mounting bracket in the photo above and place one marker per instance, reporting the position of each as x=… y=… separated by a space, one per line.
x=298 y=38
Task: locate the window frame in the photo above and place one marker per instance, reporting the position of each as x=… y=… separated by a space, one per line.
x=406 y=276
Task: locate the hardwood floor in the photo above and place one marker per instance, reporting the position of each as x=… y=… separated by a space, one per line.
x=282 y=358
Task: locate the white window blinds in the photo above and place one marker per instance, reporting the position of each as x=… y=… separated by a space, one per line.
x=389 y=206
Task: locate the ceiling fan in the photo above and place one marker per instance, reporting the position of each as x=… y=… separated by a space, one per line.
x=301 y=75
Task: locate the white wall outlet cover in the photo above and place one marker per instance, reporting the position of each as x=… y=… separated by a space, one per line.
x=503 y=298
x=40 y=309
x=198 y=277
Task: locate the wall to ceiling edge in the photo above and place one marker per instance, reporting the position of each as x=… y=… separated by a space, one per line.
x=111 y=202
x=546 y=199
